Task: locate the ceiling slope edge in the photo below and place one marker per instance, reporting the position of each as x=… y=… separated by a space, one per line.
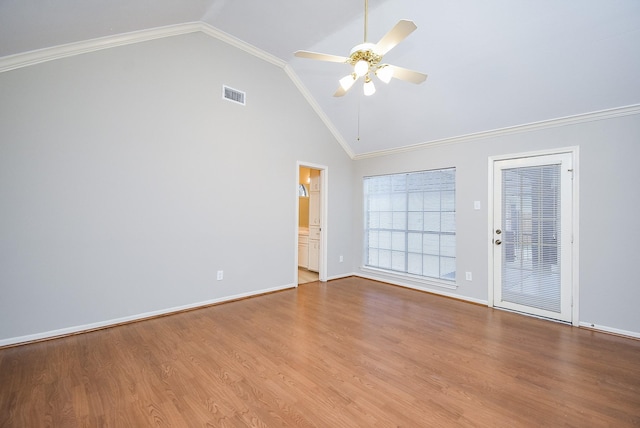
x=545 y=124
x=25 y=59
x=316 y=107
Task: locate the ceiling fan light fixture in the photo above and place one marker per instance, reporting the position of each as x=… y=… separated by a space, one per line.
x=385 y=73
x=366 y=59
x=347 y=81
x=361 y=68
x=369 y=88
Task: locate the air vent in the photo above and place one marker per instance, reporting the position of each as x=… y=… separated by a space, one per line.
x=233 y=95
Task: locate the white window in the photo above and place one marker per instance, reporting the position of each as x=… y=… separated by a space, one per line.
x=410 y=223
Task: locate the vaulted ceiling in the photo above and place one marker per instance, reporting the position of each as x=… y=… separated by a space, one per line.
x=492 y=64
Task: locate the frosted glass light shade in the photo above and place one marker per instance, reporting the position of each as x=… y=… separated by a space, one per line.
x=347 y=81
x=385 y=73
x=369 y=88
x=361 y=68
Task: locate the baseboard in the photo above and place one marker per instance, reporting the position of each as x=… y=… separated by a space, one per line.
x=425 y=289
x=53 y=334
x=610 y=330
x=341 y=276
x=591 y=326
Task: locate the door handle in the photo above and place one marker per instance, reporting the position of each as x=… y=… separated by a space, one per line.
x=498 y=242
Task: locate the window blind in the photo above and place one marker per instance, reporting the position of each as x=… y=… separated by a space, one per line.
x=530 y=256
x=410 y=224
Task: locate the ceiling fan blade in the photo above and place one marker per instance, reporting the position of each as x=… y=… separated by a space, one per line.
x=408 y=75
x=320 y=56
x=397 y=34
x=340 y=92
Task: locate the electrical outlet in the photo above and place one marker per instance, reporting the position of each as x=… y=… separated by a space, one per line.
x=220 y=275
x=468 y=276
x=341 y=259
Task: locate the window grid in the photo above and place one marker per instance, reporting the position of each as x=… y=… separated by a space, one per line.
x=410 y=223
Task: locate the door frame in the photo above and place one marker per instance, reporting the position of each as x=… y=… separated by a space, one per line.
x=324 y=213
x=575 y=204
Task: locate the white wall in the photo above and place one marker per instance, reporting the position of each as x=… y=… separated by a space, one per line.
x=609 y=150
x=126 y=182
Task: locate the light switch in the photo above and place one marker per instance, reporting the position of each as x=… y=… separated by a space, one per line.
x=476 y=205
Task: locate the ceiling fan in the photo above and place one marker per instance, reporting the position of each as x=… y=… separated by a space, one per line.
x=366 y=59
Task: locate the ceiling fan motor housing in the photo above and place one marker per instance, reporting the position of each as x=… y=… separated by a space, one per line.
x=364 y=52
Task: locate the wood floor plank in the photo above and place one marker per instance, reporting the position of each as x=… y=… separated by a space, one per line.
x=349 y=353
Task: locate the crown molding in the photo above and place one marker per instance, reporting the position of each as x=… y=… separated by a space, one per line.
x=534 y=126
x=233 y=41
x=39 y=56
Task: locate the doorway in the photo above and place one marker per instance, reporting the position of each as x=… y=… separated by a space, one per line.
x=532 y=249
x=311 y=218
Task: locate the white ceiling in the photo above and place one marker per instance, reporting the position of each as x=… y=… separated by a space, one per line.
x=492 y=64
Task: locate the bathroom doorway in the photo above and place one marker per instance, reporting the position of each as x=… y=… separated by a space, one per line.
x=311 y=216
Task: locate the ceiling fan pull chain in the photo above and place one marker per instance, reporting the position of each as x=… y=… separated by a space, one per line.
x=358 y=133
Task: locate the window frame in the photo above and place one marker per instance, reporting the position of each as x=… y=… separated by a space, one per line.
x=397 y=230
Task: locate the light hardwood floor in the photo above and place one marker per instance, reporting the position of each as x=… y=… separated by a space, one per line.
x=306 y=276
x=348 y=353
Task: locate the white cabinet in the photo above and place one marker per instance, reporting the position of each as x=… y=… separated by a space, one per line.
x=314 y=248
x=303 y=251
x=314 y=241
x=314 y=228
x=314 y=199
x=314 y=233
x=314 y=185
x=314 y=255
x=314 y=209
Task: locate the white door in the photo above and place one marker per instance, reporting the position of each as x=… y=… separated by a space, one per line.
x=532 y=234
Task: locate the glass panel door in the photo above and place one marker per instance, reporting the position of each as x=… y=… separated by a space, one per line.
x=532 y=235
